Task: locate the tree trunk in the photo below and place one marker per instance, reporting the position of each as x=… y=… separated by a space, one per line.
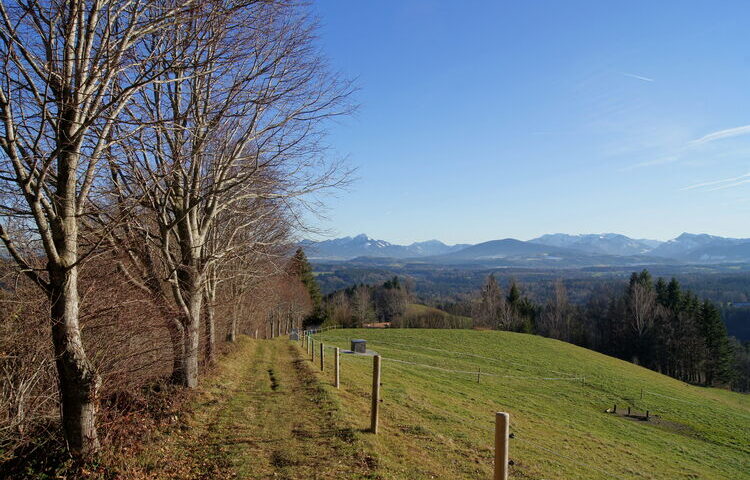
x=78 y=381
x=210 y=334
x=232 y=335
x=177 y=336
x=192 y=341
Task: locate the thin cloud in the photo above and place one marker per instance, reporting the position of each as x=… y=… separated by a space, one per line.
x=638 y=77
x=720 y=184
x=709 y=138
x=651 y=163
x=721 y=134
x=728 y=185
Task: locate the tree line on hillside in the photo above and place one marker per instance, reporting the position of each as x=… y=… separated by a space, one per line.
x=658 y=325
x=156 y=157
x=391 y=304
x=363 y=304
x=445 y=286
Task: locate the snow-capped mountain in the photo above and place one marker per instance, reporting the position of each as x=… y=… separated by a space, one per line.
x=363 y=246
x=704 y=248
x=603 y=243
x=596 y=249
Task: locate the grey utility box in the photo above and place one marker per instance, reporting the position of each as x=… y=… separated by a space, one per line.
x=359 y=346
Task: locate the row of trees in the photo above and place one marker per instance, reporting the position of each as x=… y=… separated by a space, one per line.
x=655 y=324
x=176 y=140
x=362 y=304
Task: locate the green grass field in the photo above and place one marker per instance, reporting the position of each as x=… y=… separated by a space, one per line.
x=414 y=309
x=422 y=316
x=438 y=424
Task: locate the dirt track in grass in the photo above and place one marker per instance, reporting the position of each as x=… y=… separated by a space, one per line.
x=264 y=414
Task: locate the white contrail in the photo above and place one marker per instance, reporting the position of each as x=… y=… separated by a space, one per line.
x=728 y=185
x=639 y=77
x=721 y=134
x=719 y=184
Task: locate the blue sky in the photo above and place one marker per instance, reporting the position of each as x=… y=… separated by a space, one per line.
x=486 y=120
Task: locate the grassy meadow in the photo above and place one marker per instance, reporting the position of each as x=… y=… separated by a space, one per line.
x=437 y=419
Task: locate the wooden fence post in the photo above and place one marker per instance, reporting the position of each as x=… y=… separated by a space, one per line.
x=256 y=333
x=502 y=429
x=336 y=368
x=312 y=352
x=375 y=412
x=322 y=349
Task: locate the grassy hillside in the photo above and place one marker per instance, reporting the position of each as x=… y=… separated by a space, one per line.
x=422 y=316
x=438 y=424
x=414 y=309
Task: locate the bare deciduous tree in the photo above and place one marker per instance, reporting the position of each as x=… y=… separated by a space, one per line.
x=556 y=316
x=237 y=122
x=67 y=71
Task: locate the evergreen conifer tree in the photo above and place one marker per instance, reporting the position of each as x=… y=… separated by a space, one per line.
x=300 y=266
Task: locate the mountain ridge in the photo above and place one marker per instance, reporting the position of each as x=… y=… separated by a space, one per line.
x=549 y=249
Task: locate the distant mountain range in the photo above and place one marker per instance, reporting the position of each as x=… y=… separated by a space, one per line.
x=347 y=248
x=605 y=243
x=548 y=250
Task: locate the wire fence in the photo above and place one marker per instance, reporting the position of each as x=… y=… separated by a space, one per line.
x=470 y=355
x=568 y=376
x=477 y=373
x=479 y=425
x=496 y=360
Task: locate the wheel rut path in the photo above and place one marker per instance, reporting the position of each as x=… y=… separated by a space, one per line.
x=264 y=414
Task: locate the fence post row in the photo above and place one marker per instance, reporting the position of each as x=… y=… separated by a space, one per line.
x=502 y=419
x=502 y=434
x=375 y=412
x=321 y=355
x=336 y=368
